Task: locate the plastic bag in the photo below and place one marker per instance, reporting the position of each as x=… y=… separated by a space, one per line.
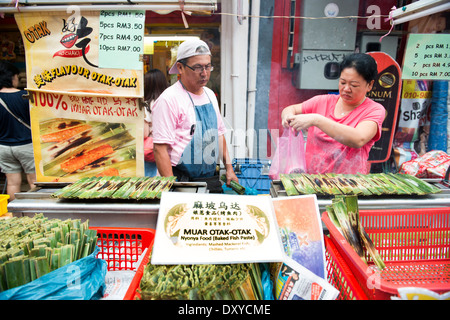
x=83 y=279
x=290 y=154
x=267 y=282
x=148 y=150
x=433 y=164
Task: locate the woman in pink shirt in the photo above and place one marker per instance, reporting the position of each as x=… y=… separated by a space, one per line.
x=341 y=128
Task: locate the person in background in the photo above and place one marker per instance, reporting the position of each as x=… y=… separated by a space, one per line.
x=188 y=130
x=341 y=128
x=155 y=83
x=16 y=148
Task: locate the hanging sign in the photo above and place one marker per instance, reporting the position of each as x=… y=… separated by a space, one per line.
x=121 y=39
x=77 y=135
x=427 y=57
x=62 y=54
x=85 y=113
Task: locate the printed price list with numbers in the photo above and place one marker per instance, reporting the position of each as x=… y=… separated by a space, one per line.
x=427 y=57
x=121 y=39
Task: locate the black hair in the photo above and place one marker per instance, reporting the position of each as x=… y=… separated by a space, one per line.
x=363 y=63
x=7 y=72
x=155 y=83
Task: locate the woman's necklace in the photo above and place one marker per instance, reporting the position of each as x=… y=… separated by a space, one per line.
x=343 y=113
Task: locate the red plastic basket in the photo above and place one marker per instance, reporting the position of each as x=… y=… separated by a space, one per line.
x=121 y=248
x=413 y=243
x=339 y=274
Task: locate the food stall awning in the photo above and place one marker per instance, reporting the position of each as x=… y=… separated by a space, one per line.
x=163 y=7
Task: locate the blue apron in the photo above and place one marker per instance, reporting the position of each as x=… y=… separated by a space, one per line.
x=199 y=158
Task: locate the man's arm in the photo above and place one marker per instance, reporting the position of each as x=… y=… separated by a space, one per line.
x=162 y=159
x=226 y=160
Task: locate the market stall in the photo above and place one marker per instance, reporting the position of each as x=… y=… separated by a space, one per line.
x=270 y=240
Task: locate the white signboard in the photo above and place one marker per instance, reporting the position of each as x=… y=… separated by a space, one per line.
x=427 y=57
x=215 y=228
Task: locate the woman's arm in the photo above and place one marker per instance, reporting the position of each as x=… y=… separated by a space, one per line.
x=352 y=137
x=288 y=112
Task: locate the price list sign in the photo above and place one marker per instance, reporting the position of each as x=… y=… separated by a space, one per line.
x=427 y=57
x=121 y=39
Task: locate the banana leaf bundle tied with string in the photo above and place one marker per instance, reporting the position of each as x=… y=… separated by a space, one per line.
x=344 y=214
x=374 y=184
x=114 y=187
x=31 y=247
x=201 y=282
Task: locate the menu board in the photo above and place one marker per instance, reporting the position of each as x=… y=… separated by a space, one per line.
x=62 y=54
x=427 y=57
x=85 y=109
x=121 y=35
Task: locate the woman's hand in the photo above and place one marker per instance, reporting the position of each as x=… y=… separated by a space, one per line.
x=302 y=121
x=289 y=112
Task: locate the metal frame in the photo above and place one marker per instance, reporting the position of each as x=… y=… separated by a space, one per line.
x=168 y=5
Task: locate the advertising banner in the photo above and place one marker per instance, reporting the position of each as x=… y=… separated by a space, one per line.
x=62 y=54
x=411 y=138
x=386 y=90
x=84 y=95
x=77 y=135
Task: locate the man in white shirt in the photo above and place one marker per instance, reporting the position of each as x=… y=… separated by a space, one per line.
x=188 y=130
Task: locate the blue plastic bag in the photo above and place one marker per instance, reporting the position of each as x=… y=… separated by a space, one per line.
x=83 y=279
x=266 y=281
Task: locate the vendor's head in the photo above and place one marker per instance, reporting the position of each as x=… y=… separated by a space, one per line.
x=193 y=63
x=358 y=73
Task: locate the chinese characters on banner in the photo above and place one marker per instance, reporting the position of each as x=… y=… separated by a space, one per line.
x=85 y=119
x=215 y=228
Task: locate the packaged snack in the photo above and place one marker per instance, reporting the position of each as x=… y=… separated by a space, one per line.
x=432 y=164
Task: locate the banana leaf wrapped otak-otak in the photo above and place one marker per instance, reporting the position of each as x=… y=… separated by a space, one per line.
x=201 y=282
x=116 y=188
x=356 y=184
x=344 y=214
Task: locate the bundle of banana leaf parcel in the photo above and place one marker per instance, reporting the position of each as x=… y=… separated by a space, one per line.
x=115 y=187
x=31 y=247
x=201 y=282
x=375 y=184
x=344 y=214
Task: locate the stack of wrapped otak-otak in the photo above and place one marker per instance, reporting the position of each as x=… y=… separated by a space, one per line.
x=356 y=184
x=33 y=247
x=201 y=282
x=138 y=188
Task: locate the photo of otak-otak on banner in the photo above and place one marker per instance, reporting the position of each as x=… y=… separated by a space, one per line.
x=72 y=148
